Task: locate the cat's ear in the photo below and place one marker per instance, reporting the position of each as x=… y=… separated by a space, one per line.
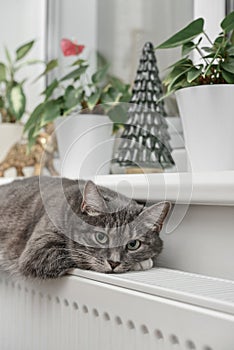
x=154 y=216
x=93 y=203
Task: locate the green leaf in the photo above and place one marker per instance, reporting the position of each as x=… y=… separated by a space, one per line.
x=207 y=49
x=50 y=88
x=2 y=71
x=184 y=35
x=23 y=50
x=101 y=60
x=28 y=63
x=78 y=62
x=51 y=112
x=187 y=48
x=17 y=101
x=178 y=70
x=211 y=55
x=93 y=99
x=212 y=62
x=218 y=40
x=75 y=74
x=118 y=84
x=35 y=116
x=49 y=67
x=228 y=66
x=194 y=73
x=180 y=83
x=119 y=113
x=106 y=98
x=113 y=93
x=184 y=62
x=32 y=134
x=231 y=51
x=72 y=97
x=100 y=74
x=229 y=77
x=232 y=38
x=7 y=54
x=227 y=23
x=126 y=96
x=177 y=78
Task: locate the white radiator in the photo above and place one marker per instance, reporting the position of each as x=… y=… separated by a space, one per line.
x=160 y=309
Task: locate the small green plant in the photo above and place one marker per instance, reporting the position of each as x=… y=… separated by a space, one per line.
x=12 y=95
x=99 y=94
x=216 y=65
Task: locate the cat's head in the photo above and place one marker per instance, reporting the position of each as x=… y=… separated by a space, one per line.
x=116 y=232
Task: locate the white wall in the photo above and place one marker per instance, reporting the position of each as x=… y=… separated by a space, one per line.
x=75 y=20
x=213 y=11
x=124 y=27
x=22 y=21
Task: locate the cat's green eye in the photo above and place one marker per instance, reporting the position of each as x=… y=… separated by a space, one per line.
x=133 y=245
x=101 y=237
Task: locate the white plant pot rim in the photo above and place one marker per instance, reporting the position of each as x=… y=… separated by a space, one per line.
x=95 y=119
x=206 y=86
x=85 y=116
x=7 y=125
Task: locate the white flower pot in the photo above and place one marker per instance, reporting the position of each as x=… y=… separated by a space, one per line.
x=9 y=135
x=176 y=132
x=85 y=145
x=207 y=114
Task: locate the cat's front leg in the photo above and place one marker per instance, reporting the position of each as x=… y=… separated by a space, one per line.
x=45 y=258
x=143 y=265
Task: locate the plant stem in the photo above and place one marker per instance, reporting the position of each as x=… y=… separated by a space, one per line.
x=212 y=61
x=207 y=37
x=200 y=53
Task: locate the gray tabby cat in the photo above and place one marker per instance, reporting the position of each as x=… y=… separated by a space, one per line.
x=51 y=225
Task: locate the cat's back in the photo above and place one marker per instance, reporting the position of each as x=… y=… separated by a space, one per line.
x=18 y=192
x=22 y=199
x=18 y=184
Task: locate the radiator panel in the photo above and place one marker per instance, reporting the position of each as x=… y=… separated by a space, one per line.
x=77 y=312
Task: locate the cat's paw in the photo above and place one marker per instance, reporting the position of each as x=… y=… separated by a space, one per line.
x=143 y=265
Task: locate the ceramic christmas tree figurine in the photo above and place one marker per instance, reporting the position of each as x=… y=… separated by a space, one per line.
x=145 y=139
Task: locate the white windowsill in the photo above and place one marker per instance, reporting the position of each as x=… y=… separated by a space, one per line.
x=214 y=188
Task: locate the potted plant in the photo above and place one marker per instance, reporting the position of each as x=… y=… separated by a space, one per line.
x=204 y=90
x=90 y=105
x=12 y=96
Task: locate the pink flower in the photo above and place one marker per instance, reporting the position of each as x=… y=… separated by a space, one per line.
x=70 y=48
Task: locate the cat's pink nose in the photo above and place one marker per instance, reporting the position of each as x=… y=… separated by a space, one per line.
x=113 y=264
